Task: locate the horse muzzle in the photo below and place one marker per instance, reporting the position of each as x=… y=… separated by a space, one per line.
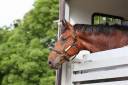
x=56 y=64
x=53 y=65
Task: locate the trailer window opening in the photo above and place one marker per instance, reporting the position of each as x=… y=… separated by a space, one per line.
x=99 y=18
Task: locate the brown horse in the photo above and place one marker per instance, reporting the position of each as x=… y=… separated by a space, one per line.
x=86 y=37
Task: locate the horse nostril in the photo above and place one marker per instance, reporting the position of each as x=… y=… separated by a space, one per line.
x=49 y=62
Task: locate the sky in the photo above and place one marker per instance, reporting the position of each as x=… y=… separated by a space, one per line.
x=11 y=10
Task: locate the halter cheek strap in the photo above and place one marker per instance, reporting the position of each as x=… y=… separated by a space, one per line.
x=67 y=48
x=69 y=59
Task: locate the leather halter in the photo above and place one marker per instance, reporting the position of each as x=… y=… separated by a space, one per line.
x=64 y=53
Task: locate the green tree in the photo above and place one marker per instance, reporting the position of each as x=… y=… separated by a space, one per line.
x=24 y=50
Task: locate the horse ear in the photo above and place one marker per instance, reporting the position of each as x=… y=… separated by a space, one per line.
x=68 y=26
x=64 y=23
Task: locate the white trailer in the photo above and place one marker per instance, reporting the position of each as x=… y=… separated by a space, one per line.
x=101 y=68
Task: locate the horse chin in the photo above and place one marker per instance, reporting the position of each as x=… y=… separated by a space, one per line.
x=56 y=67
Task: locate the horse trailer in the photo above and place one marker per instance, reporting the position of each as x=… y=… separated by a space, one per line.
x=108 y=67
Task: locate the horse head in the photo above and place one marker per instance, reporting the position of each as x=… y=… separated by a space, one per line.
x=65 y=47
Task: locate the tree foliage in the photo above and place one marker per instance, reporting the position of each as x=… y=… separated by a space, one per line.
x=24 y=50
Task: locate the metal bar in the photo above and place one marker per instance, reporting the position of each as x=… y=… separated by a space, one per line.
x=61 y=16
x=60 y=27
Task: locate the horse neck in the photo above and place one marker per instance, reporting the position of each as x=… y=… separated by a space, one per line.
x=93 y=41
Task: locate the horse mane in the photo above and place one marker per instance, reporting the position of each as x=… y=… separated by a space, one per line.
x=100 y=28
